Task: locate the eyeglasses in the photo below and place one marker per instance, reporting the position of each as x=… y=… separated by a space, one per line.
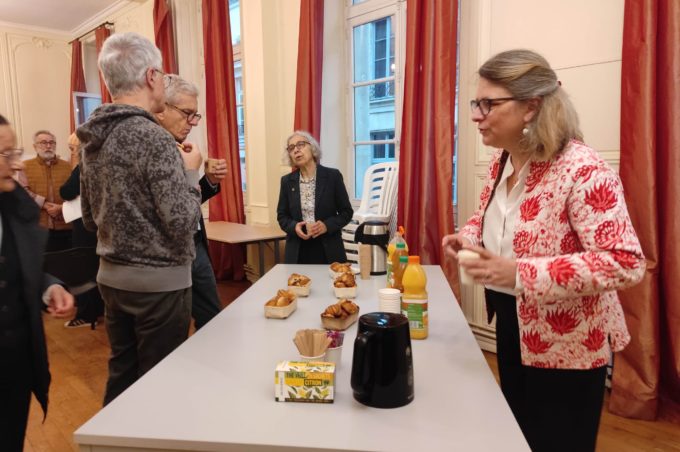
x=299 y=145
x=485 y=104
x=44 y=143
x=190 y=116
x=12 y=155
x=158 y=70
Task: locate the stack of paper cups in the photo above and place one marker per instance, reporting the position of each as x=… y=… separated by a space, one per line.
x=389 y=300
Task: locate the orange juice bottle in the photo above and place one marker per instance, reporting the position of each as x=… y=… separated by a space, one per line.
x=414 y=299
x=399 y=273
x=394 y=263
x=391 y=248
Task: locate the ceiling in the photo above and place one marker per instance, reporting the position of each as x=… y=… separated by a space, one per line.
x=61 y=15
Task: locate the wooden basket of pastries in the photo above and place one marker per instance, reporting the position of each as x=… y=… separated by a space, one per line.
x=340 y=316
x=281 y=305
x=300 y=285
x=337 y=268
x=345 y=286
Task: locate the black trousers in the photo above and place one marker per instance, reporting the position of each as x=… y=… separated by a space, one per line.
x=205 y=301
x=59 y=240
x=557 y=409
x=143 y=328
x=15 y=395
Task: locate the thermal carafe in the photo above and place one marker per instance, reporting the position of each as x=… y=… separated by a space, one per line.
x=376 y=234
x=382 y=366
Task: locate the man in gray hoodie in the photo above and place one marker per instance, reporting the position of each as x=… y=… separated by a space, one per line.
x=141 y=195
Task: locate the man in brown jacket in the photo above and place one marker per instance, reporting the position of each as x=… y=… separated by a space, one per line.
x=45 y=175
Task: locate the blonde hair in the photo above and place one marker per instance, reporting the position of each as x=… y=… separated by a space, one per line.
x=527 y=75
x=316 y=148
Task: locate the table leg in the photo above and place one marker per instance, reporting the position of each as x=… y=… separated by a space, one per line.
x=260 y=249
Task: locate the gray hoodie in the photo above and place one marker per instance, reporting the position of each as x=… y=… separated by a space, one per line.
x=135 y=193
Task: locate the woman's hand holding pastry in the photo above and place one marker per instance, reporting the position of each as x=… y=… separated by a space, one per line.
x=490 y=269
x=453 y=243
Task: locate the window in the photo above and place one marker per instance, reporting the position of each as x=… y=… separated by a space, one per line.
x=375 y=92
x=235 y=24
x=383 y=152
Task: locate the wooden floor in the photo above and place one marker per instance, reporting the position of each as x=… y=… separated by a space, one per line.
x=78 y=359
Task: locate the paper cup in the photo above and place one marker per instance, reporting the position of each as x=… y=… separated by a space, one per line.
x=333 y=355
x=321 y=357
x=466 y=255
x=210 y=167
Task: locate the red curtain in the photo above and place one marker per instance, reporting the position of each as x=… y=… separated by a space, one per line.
x=223 y=132
x=309 y=68
x=77 y=77
x=164 y=34
x=426 y=151
x=100 y=34
x=646 y=381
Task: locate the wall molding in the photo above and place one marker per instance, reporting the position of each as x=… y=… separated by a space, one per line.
x=53 y=33
x=103 y=16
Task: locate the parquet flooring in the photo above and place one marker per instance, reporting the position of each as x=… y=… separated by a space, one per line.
x=78 y=360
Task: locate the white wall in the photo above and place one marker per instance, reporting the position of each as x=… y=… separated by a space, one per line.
x=582 y=41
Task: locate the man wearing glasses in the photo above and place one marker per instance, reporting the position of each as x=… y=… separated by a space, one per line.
x=178 y=118
x=142 y=197
x=44 y=175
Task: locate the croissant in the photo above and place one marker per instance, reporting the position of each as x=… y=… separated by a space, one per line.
x=338 y=267
x=298 y=280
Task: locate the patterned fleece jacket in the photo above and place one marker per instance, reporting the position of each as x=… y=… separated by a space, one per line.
x=135 y=193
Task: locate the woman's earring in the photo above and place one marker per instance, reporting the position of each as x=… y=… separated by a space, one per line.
x=525 y=131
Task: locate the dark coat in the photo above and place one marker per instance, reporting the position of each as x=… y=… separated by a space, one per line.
x=332 y=206
x=207 y=192
x=22 y=214
x=70 y=191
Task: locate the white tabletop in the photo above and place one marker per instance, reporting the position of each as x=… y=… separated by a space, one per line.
x=224 y=231
x=216 y=391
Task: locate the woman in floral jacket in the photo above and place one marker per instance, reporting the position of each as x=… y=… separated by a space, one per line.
x=556 y=242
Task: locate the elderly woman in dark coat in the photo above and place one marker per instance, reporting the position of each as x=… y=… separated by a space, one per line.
x=313 y=205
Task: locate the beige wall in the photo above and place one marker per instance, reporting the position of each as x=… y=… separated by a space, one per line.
x=582 y=41
x=34 y=84
x=36 y=76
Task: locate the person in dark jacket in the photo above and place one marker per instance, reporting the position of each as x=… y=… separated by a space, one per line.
x=90 y=305
x=313 y=205
x=23 y=288
x=178 y=118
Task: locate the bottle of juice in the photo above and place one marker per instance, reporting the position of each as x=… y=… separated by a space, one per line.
x=414 y=299
x=394 y=263
x=391 y=248
x=398 y=272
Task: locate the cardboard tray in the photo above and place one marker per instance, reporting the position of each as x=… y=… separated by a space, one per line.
x=339 y=324
x=301 y=291
x=280 y=312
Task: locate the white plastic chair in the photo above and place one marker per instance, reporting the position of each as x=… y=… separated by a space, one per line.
x=378 y=203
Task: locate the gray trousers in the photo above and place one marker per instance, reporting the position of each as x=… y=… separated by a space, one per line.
x=205 y=302
x=143 y=328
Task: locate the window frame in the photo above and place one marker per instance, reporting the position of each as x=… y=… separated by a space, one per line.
x=357 y=15
x=237 y=54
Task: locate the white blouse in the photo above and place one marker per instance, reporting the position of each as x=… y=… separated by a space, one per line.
x=500 y=218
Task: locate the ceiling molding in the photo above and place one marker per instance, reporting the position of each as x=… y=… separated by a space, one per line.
x=102 y=17
x=60 y=34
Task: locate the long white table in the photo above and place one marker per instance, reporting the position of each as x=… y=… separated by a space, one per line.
x=216 y=391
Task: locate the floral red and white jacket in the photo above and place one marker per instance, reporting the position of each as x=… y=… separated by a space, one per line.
x=575 y=246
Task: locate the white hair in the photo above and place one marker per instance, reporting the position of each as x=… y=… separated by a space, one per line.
x=176 y=85
x=124 y=60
